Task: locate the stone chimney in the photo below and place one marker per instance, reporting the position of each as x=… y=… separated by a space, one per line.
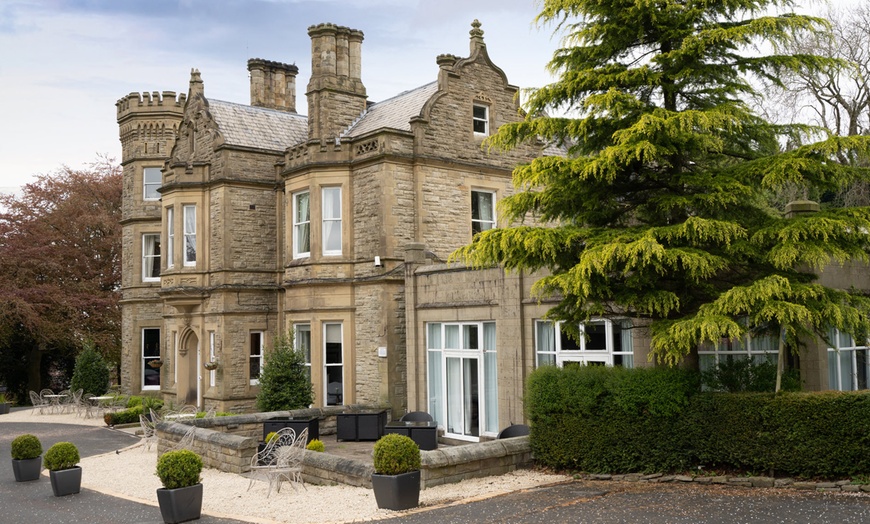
x=273 y=84
x=336 y=94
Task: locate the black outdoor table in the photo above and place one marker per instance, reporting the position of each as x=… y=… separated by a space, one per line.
x=425 y=434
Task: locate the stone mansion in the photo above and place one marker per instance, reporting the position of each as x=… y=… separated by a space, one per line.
x=242 y=222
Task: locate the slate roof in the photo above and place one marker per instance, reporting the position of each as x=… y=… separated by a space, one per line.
x=258 y=127
x=393 y=113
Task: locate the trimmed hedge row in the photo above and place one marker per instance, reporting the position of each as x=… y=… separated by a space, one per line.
x=615 y=420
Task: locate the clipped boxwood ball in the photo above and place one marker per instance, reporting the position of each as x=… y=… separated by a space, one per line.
x=63 y=455
x=316 y=445
x=395 y=454
x=179 y=469
x=26 y=447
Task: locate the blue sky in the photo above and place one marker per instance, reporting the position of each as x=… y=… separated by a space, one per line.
x=64 y=63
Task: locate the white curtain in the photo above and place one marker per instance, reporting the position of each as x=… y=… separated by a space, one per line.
x=454 y=395
x=546 y=344
x=303 y=240
x=332 y=220
x=189 y=234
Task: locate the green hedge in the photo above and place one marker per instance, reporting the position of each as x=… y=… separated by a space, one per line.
x=614 y=420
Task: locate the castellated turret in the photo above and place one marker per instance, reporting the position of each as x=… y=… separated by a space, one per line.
x=336 y=94
x=273 y=84
x=148 y=124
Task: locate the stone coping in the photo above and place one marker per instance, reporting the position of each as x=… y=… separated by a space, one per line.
x=845 y=486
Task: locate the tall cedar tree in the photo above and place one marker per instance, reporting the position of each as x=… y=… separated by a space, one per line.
x=60 y=269
x=658 y=210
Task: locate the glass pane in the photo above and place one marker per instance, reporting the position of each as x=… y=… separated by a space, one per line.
x=861 y=364
x=845 y=340
x=302 y=340
x=436 y=381
x=847 y=370
x=490 y=390
x=567 y=343
x=472 y=396
x=334 y=386
x=833 y=371
x=333 y=343
x=451 y=335
x=480 y=112
x=454 y=395
x=546 y=359
x=596 y=336
x=332 y=235
x=433 y=339
x=470 y=337
x=625 y=360
x=151 y=343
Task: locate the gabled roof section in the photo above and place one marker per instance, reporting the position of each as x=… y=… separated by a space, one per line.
x=393 y=113
x=258 y=127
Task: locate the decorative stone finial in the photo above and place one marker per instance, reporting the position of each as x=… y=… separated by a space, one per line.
x=194 y=76
x=476 y=32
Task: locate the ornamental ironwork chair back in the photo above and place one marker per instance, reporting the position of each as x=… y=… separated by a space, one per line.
x=38 y=403
x=278 y=460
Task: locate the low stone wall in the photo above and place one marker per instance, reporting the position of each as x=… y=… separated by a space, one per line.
x=845 y=486
x=229 y=443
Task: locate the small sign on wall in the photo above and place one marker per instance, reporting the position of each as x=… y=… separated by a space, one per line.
x=382 y=351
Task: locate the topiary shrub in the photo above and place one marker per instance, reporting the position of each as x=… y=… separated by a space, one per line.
x=395 y=454
x=316 y=445
x=63 y=455
x=125 y=416
x=271 y=436
x=26 y=447
x=90 y=373
x=284 y=381
x=179 y=469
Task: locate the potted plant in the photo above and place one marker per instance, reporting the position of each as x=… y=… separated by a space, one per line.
x=155 y=363
x=26 y=459
x=180 y=498
x=211 y=365
x=61 y=462
x=6 y=400
x=396 y=479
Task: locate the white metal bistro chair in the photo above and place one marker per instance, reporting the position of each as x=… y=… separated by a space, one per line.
x=281 y=460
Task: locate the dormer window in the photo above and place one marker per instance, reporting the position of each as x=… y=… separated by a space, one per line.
x=480 y=120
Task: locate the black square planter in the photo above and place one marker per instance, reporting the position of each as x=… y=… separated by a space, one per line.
x=26 y=470
x=180 y=504
x=66 y=481
x=397 y=492
x=425 y=434
x=360 y=425
x=298 y=424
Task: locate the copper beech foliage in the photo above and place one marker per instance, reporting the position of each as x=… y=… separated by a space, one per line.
x=60 y=262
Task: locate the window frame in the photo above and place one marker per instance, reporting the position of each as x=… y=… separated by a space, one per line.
x=475 y=193
x=327 y=364
x=484 y=119
x=298 y=225
x=749 y=347
x=170 y=237
x=471 y=342
x=332 y=224
x=148 y=261
x=846 y=351
x=145 y=184
x=189 y=236
x=256 y=356
x=578 y=351
x=304 y=347
x=144 y=359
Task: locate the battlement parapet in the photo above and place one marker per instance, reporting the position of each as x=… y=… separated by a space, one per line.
x=151 y=103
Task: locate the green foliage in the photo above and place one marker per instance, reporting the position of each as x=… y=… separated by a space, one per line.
x=7 y=398
x=641 y=422
x=26 y=447
x=316 y=445
x=284 y=381
x=179 y=469
x=125 y=416
x=91 y=373
x=271 y=436
x=737 y=375
x=658 y=211
x=395 y=454
x=63 y=455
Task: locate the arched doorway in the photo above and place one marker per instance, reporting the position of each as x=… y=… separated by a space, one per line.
x=189 y=369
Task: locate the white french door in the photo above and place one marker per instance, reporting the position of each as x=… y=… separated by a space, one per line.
x=463 y=396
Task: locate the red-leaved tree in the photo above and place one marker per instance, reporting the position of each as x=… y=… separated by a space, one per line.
x=60 y=271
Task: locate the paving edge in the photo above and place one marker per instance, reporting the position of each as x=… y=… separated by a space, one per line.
x=842 y=486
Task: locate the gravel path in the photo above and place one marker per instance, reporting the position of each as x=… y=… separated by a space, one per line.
x=130 y=474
